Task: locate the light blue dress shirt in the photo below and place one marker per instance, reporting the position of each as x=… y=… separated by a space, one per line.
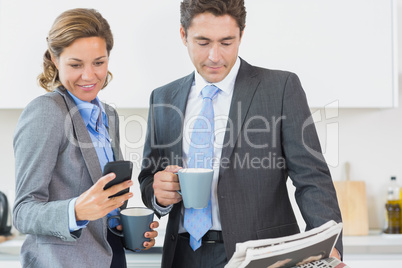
x=95 y=119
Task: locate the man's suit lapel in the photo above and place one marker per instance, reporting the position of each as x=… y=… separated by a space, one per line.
x=179 y=102
x=83 y=140
x=246 y=84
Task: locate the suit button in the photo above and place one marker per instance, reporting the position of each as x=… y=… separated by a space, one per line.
x=172 y=237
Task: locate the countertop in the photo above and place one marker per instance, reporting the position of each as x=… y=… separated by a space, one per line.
x=374 y=243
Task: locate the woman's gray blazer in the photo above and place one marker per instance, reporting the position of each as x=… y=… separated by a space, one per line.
x=55 y=162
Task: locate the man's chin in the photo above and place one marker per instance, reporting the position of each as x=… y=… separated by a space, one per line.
x=214 y=78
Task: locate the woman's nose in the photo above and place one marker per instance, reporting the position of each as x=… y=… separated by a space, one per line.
x=88 y=73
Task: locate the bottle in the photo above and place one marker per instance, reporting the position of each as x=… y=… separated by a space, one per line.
x=397 y=218
x=400 y=205
x=393 y=208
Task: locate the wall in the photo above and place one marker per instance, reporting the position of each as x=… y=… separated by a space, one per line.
x=370 y=139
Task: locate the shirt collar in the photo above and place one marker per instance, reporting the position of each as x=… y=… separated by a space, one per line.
x=90 y=109
x=226 y=85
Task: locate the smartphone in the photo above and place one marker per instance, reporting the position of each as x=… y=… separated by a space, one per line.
x=123 y=170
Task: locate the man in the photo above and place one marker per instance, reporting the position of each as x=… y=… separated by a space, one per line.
x=262 y=133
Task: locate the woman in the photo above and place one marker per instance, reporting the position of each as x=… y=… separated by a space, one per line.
x=62 y=142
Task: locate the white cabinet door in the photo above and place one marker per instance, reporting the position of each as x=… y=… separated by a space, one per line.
x=373 y=261
x=374 y=264
x=342 y=50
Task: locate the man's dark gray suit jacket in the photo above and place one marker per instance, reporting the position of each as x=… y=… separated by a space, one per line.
x=270 y=135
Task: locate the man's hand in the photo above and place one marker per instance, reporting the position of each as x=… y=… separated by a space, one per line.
x=335 y=254
x=166 y=184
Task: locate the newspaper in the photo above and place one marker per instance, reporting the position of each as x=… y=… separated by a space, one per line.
x=290 y=251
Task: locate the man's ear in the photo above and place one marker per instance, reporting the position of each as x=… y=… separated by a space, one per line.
x=242 y=33
x=183 y=35
x=54 y=60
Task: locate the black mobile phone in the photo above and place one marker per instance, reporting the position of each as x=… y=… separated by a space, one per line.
x=123 y=170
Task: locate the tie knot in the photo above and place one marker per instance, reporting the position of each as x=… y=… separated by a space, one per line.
x=209 y=91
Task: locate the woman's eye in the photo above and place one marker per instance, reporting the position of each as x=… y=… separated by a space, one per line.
x=99 y=63
x=75 y=65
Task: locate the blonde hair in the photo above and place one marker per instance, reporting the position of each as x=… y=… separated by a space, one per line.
x=68 y=27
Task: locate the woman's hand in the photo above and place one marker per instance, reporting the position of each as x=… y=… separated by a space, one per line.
x=95 y=202
x=151 y=235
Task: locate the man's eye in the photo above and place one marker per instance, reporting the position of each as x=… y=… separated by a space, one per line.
x=226 y=44
x=202 y=43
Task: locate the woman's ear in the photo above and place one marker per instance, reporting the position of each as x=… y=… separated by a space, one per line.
x=54 y=60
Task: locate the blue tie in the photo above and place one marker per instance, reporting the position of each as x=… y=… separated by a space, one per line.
x=198 y=221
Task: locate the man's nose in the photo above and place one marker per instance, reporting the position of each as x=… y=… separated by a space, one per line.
x=214 y=53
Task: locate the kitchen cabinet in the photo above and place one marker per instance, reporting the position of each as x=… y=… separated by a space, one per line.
x=150 y=260
x=343 y=51
x=364 y=261
x=9 y=255
x=372 y=251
